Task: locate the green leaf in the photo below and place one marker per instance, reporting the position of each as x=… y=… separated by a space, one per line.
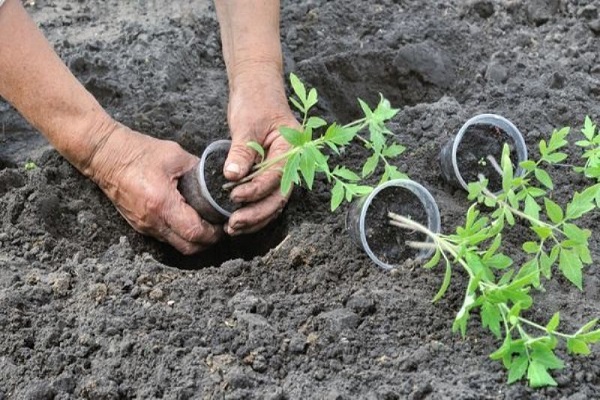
x=292 y=136
x=528 y=165
x=366 y=109
x=547 y=358
x=370 y=165
x=393 y=151
x=345 y=173
x=298 y=106
x=555 y=157
x=555 y=213
x=340 y=135
x=589 y=128
x=577 y=346
x=553 y=323
x=571 y=266
x=582 y=202
x=257 y=147
x=311 y=99
x=517 y=369
x=585 y=328
x=538 y=376
x=532 y=208
x=307 y=169
x=290 y=173
x=315 y=122
x=499 y=261
x=531 y=247
x=434 y=260
x=507 y=169
x=445 y=283
x=337 y=195
x=543 y=232
x=543 y=177
x=491 y=317
x=575 y=233
x=546 y=263
x=299 y=88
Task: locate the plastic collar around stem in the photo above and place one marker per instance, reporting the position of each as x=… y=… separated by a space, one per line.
x=502 y=123
x=216 y=145
x=429 y=204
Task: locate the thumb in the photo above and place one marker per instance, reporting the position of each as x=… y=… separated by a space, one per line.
x=240 y=158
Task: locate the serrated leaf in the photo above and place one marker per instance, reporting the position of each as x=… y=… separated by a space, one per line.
x=555 y=157
x=491 y=317
x=292 y=136
x=543 y=177
x=257 y=147
x=337 y=195
x=588 y=326
x=547 y=358
x=393 y=151
x=297 y=104
x=543 y=232
x=518 y=368
x=345 y=173
x=365 y=108
x=553 y=210
x=589 y=128
x=340 y=135
x=538 y=376
x=577 y=346
x=582 y=202
x=553 y=323
x=546 y=263
x=575 y=233
x=570 y=265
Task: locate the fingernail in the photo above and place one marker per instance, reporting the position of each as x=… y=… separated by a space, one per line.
x=233 y=168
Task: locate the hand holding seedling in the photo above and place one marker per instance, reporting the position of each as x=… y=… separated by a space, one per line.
x=305 y=156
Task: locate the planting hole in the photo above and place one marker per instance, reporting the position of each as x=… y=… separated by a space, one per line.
x=479 y=152
x=229 y=248
x=388 y=242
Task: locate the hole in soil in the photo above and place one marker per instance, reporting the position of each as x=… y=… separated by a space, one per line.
x=229 y=248
x=388 y=242
x=480 y=143
x=415 y=74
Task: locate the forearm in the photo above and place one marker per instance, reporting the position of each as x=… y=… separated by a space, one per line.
x=37 y=83
x=250 y=37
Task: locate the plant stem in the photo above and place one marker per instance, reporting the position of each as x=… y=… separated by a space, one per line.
x=495 y=164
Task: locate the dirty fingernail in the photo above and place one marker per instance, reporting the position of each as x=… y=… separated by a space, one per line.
x=233 y=168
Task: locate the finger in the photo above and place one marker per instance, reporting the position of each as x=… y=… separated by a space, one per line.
x=267 y=182
x=240 y=158
x=187 y=224
x=257 y=189
x=183 y=246
x=255 y=216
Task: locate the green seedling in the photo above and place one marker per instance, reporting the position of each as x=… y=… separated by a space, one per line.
x=498 y=289
x=29 y=165
x=308 y=145
x=591 y=146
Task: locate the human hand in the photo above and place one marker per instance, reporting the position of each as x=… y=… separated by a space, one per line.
x=139 y=174
x=257 y=108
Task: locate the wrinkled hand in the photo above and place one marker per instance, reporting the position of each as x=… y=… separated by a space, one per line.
x=257 y=108
x=139 y=174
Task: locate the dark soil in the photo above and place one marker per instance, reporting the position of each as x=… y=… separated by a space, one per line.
x=87 y=308
x=387 y=242
x=213 y=175
x=478 y=143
